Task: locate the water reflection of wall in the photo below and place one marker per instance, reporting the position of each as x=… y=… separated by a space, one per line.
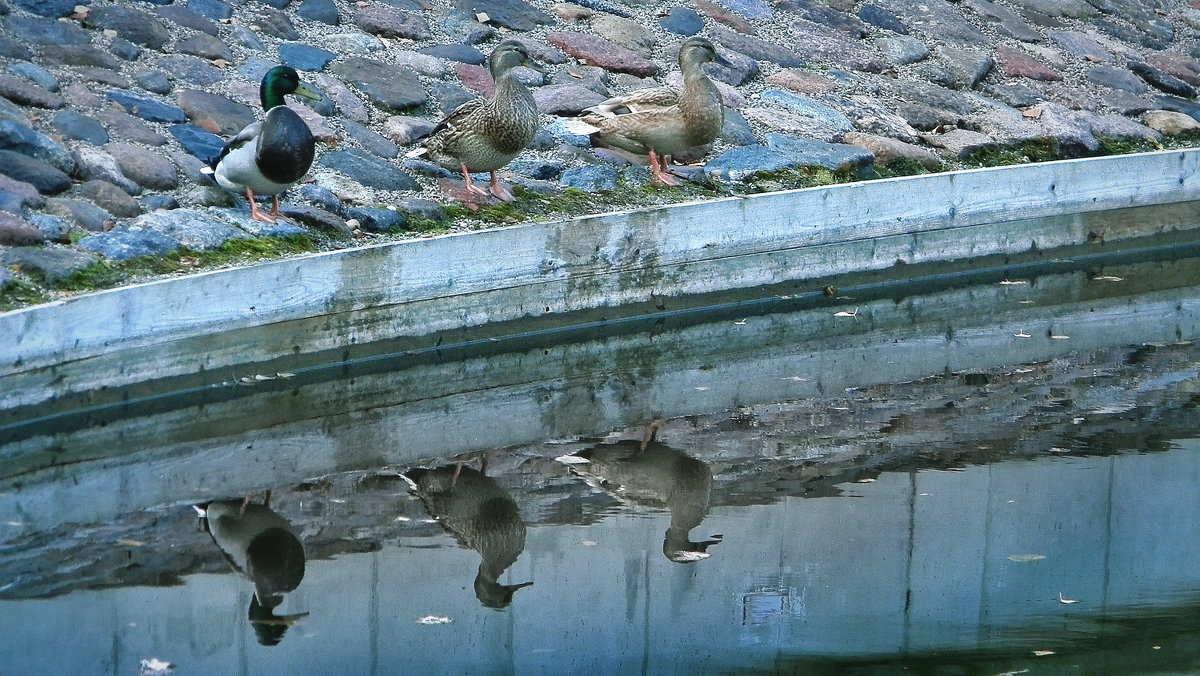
x=911 y=561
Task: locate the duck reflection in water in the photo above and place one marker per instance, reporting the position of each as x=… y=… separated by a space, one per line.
x=481 y=515
x=263 y=546
x=650 y=473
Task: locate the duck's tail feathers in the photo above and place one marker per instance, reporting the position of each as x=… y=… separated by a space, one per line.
x=579 y=127
x=419 y=151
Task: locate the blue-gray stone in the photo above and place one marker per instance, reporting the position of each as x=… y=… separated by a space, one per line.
x=11 y=202
x=1116 y=78
x=593 y=178
x=807 y=152
x=188 y=18
x=1178 y=105
x=87 y=56
x=460 y=53
x=803 y=105
x=827 y=16
x=146 y=107
x=737 y=164
x=881 y=18
x=154 y=81
x=324 y=11
x=240 y=35
x=40 y=31
x=199 y=142
x=682 y=21
x=36 y=74
x=462 y=27
x=368 y=170
x=124 y=49
x=193 y=70
x=76 y=125
x=53 y=227
x=449 y=95
x=85 y=214
x=422 y=208
x=47 y=179
x=54 y=264
x=48 y=8
x=606 y=6
x=514 y=14
x=377 y=220
x=558 y=128
x=392 y=88
x=425 y=168
x=280 y=228
x=751 y=9
x=17 y=137
x=541 y=170
x=6 y=277
x=736 y=130
x=543 y=140
x=123 y=245
x=370 y=140
x=135 y=25
x=13 y=49
x=1162 y=81
x=156 y=202
x=13 y=113
x=901 y=50
x=322 y=197
x=406 y=5
x=303 y=57
x=193 y=229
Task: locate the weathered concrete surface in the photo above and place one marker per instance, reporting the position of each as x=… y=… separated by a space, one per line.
x=422 y=288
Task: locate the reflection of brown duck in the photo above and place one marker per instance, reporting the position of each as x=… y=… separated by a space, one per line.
x=263 y=546
x=481 y=516
x=650 y=473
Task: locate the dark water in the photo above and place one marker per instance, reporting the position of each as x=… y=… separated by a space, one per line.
x=868 y=485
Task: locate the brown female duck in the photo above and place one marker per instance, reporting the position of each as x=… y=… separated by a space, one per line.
x=484 y=135
x=659 y=122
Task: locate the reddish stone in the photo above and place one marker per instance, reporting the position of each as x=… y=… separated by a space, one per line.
x=802 y=81
x=721 y=15
x=597 y=51
x=1019 y=64
x=15 y=232
x=476 y=78
x=1179 y=65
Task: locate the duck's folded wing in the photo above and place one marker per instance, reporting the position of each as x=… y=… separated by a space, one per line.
x=458 y=116
x=639 y=101
x=246 y=135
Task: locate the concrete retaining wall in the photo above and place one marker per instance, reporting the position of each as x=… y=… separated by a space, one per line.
x=419 y=288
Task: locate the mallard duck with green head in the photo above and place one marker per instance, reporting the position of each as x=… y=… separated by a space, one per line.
x=269 y=156
x=485 y=135
x=659 y=122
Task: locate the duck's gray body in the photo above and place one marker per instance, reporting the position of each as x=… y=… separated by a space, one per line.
x=482 y=516
x=260 y=544
x=268 y=156
x=652 y=474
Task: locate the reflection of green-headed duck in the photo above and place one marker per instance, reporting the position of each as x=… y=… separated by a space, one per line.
x=659 y=122
x=484 y=135
x=649 y=473
x=263 y=546
x=269 y=156
x=481 y=515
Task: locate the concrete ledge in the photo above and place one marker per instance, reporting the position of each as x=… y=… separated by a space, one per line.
x=419 y=288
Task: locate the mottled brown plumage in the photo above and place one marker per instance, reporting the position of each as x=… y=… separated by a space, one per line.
x=659 y=121
x=485 y=135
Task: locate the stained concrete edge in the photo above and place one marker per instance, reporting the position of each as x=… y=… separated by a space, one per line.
x=420 y=287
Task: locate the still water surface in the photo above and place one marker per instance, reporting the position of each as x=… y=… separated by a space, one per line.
x=890 y=485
